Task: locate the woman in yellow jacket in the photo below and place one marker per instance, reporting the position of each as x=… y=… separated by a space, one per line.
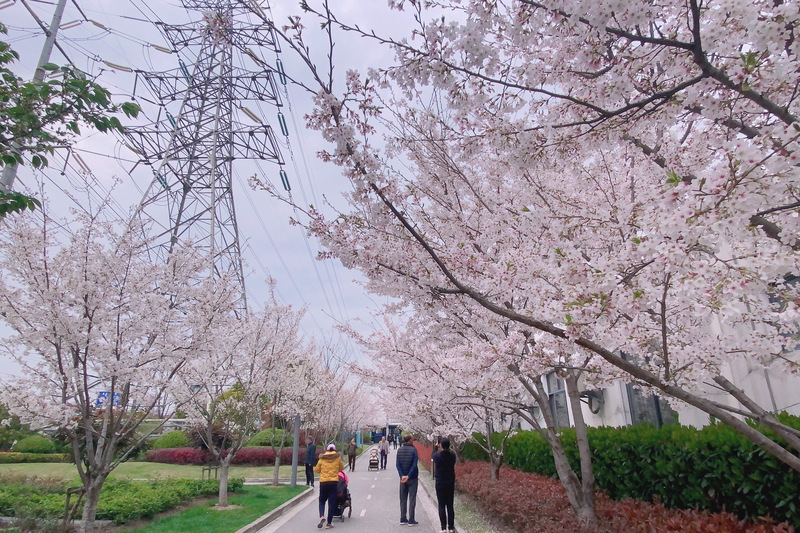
x=329 y=465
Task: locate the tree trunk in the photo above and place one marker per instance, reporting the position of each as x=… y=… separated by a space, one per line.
x=277 y=468
x=583 y=507
x=588 y=516
x=91 y=497
x=495 y=467
x=223 y=480
x=582 y=502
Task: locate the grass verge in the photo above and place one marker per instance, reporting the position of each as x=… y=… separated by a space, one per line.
x=141 y=470
x=252 y=501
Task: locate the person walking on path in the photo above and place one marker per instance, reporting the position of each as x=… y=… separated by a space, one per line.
x=444 y=462
x=329 y=465
x=383 y=446
x=311 y=459
x=406 y=463
x=352 y=450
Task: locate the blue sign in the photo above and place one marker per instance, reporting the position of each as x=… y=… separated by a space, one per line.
x=102 y=398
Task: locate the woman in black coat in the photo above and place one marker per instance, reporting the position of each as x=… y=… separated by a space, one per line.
x=444 y=463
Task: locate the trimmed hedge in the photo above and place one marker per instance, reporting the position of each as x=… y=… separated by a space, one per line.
x=171 y=439
x=246 y=456
x=713 y=468
x=16 y=457
x=270 y=437
x=34 y=444
x=179 y=456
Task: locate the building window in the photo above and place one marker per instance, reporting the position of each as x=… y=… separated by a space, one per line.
x=649 y=408
x=557 y=397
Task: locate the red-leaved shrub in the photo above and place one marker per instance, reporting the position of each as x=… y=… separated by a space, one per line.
x=529 y=503
x=532 y=503
x=179 y=456
x=257 y=456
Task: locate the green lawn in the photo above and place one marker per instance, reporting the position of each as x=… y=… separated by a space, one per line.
x=254 y=501
x=137 y=470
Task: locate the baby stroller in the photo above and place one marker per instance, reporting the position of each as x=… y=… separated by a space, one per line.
x=344 y=503
x=373 y=460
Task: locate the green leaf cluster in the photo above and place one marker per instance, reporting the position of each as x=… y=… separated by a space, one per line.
x=11 y=430
x=713 y=468
x=37 y=116
x=15 y=202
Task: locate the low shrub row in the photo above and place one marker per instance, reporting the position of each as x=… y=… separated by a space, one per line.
x=120 y=500
x=252 y=456
x=531 y=503
x=179 y=456
x=124 y=500
x=16 y=457
x=713 y=468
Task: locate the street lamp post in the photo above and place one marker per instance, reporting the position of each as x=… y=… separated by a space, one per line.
x=295 y=449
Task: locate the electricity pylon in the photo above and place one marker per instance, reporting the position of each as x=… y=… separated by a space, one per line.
x=198 y=133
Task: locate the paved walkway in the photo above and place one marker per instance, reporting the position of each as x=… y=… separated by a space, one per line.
x=376 y=505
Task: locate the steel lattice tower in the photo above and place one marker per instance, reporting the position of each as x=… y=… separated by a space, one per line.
x=197 y=135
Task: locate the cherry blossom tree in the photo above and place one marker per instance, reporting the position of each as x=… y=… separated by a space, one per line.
x=444 y=384
x=471 y=372
x=246 y=371
x=99 y=332
x=620 y=176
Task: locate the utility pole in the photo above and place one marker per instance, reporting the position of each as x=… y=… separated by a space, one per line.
x=10 y=171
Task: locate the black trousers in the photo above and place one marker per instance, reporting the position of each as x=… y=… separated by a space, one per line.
x=327 y=493
x=310 y=474
x=384 y=457
x=445 y=493
x=408 y=499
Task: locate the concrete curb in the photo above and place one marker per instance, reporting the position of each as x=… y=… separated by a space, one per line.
x=277 y=512
x=426 y=480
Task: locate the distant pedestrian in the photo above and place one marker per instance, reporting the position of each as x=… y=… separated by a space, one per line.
x=352 y=450
x=383 y=446
x=329 y=465
x=407 y=459
x=444 y=462
x=395 y=438
x=311 y=460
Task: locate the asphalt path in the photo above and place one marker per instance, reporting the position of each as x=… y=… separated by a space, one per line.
x=375 y=505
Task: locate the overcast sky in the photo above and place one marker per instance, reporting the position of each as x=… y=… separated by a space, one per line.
x=100 y=36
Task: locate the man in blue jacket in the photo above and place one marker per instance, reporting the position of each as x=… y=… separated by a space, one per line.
x=406 y=462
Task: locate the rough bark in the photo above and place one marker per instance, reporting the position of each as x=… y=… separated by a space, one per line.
x=588 y=519
x=91 y=497
x=496 y=463
x=277 y=468
x=580 y=495
x=224 y=467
